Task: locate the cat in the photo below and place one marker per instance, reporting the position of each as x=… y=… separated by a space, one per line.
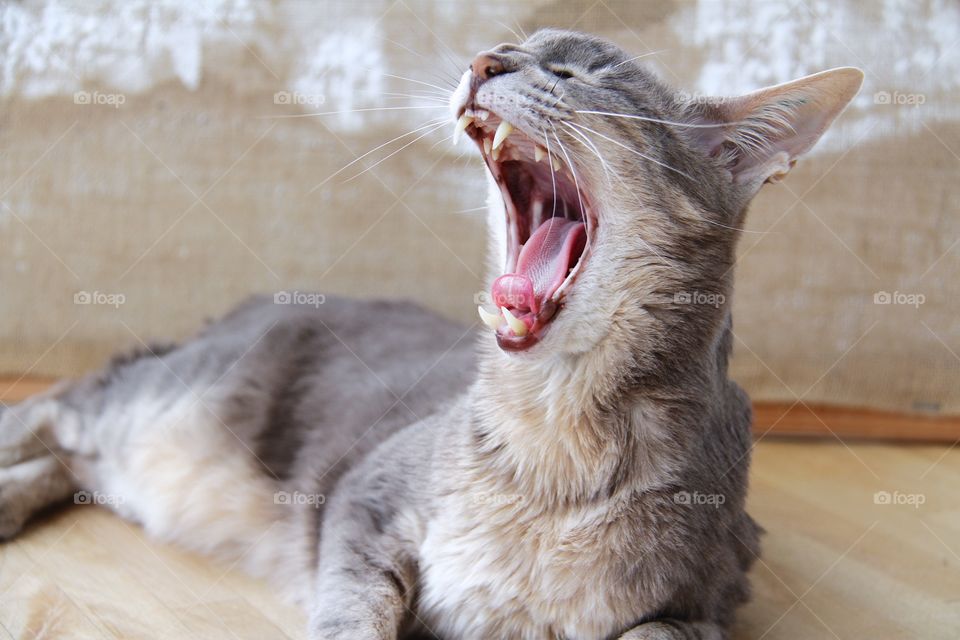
x=579 y=474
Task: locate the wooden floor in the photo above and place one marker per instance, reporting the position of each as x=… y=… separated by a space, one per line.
x=840 y=560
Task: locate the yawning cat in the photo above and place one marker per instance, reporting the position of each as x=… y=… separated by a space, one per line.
x=580 y=474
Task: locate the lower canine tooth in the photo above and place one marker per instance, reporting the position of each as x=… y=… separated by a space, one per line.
x=514 y=322
x=502 y=132
x=487 y=145
x=557 y=165
x=538 y=153
x=492 y=320
x=462 y=124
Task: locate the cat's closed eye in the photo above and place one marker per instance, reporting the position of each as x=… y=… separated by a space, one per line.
x=563 y=73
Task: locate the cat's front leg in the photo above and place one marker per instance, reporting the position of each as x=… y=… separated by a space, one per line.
x=670 y=629
x=366 y=575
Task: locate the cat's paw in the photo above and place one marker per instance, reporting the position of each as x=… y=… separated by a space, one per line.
x=673 y=630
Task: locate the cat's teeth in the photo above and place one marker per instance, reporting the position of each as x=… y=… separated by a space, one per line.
x=492 y=320
x=503 y=131
x=486 y=146
x=557 y=165
x=538 y=153
x=496 y=152
x=461 y=126
x=483 y=114
x=515 y=323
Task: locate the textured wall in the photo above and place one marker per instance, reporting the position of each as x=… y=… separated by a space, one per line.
x=179 y=180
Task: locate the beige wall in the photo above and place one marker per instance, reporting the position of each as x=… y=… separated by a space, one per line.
x=198 y=189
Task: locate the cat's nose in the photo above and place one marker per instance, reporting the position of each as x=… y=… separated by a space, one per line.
x=487 y=65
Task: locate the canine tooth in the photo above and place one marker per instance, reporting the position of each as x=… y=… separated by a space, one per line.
x=496 y=152
x=515 y=323
x=483 y=113
x=487 y=146
x=492 y=320
x=557 y=165
x=503 y=131
x=462 y=124
x=538 y=153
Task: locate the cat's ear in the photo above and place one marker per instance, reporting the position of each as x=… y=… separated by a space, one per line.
x=759 y=136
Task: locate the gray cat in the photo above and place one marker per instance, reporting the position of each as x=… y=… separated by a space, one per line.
x=580 y=474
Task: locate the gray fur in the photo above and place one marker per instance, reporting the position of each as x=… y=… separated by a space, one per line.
x=592 y=487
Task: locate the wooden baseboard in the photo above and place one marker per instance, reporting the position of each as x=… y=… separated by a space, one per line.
x=819 y=421
x=769 y=418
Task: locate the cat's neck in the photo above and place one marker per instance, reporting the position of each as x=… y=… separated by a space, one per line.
x=568 y=430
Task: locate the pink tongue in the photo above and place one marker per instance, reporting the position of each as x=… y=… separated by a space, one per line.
x=542 y=265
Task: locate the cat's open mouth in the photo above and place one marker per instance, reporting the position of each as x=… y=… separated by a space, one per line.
x=550 y=224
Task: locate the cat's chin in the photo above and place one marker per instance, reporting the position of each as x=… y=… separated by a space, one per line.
x=550 y=226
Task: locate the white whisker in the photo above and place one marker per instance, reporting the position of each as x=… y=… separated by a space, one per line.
x=688 y=125
x=434 y=122
x=393 y=153
x=553 y=174
x=648 y=245
x=642 y=155
x=333 y=113
x=427 y=84
x=642 y=55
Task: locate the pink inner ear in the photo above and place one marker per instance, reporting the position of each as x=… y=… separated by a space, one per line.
x=766 y=131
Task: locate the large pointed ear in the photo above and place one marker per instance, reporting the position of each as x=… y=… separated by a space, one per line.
x=759 y=136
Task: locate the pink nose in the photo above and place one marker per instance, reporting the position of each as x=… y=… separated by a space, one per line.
x=486 y=65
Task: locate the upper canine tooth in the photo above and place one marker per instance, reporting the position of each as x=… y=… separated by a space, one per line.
x=518 y=326
x=462 y=124
x=538 y=153
x=487 y=146
x=557 y=165
x=502 y=132
x=492 y=320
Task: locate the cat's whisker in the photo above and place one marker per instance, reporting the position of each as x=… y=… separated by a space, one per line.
x=345 y=111
x=451 y=77
x=688 y=125
x=511 y=30
x=431 y=123
x=596 y=152
x=426 y=84
x=572 y=170
x=553 y=175
x=415 y=97
x=631 y=150
x=437 y=126
x=582 y=136
x=642 y=55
